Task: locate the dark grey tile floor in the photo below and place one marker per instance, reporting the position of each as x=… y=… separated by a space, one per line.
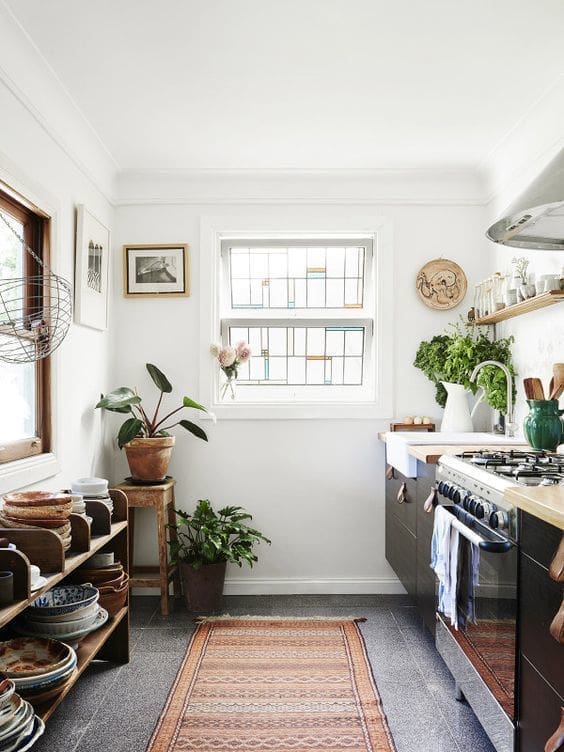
x=114 y=708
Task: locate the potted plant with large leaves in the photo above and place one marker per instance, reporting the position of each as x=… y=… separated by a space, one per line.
x=147 y=442
x=204 y=542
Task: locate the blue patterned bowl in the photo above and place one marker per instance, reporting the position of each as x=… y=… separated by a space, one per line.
x=64 y=599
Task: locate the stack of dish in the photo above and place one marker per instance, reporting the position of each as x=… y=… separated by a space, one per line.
x=110 y=580
x=39 y=669
x=66 y=612
x=38 y=509
x=20 y=728
x=37 y=581
x=93 y=489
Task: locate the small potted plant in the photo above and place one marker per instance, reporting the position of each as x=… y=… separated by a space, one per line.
x=205 y=541
x=147 y=442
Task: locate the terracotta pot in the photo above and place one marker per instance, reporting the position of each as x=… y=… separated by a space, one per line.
x=203 y=588
x=149 y=458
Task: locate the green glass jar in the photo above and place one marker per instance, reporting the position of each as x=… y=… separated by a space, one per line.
x=543 y=426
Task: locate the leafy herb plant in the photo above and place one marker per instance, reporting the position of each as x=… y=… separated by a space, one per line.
x=453 y=357
x=209 y=537
x=139 y=424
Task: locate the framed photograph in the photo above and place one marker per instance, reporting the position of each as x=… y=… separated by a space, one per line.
x=91 y=270
x=156 y=271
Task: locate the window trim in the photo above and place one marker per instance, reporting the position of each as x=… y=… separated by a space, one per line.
x=37 y=232
x=340 y=221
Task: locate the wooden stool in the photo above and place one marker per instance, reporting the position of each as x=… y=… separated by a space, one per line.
x=160 y=498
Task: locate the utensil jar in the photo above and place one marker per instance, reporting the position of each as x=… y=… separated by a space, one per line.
x=543 y=426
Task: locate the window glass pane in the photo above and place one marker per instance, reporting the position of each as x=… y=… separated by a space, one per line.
x=314 y=355
x=297 y=277
x=17 y=394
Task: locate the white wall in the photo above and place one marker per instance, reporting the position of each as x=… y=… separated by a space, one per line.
x=315 y=487
x=44 y=151
x=518 y=160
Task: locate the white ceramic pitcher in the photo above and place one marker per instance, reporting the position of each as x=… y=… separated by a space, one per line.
x=456 y=417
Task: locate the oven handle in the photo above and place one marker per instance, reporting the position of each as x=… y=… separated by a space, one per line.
x=499 y=546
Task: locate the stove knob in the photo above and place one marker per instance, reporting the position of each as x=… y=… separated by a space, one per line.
x=472 y=505
x=456 y=496
x=451 y=492
x=479 y=510
x=441 y=487
x=494 y=520
x=499 y=519
x=466 y=500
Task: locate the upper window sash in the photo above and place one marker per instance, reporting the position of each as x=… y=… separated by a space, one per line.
x=314 y=282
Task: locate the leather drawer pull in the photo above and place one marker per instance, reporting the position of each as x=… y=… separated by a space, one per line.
x=557 y=625
x=431 y=501
x=402 y=494
x=390 y=472
x=556 y=741
x=556 y=570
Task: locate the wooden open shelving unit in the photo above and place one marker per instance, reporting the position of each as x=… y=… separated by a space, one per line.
x=44 y=548
x=526 y=306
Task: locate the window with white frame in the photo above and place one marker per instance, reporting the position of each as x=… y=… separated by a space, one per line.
x=306 y=306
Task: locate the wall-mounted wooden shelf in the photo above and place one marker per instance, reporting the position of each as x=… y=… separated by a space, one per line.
x=531 y=304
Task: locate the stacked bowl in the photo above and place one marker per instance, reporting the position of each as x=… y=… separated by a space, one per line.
x=40 y=669
x=93 y=489
x=66 y=612
x=38 y=510
x=19 y=726
x=109 y=578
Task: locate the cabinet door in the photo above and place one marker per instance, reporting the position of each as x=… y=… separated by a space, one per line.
x=539 y=603
x=401 y=552
x=426 y=579
x=401 y=496
x=539 y=714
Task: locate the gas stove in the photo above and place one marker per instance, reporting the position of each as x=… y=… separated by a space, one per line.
x=525 y=467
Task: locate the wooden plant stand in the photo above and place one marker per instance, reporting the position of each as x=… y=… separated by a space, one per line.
x=161 y=499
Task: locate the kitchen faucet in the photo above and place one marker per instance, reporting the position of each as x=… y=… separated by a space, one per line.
x=509 y=424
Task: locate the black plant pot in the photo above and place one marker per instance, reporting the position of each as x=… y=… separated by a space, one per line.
x=203 y=587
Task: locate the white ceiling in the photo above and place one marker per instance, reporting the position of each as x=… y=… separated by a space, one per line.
x=300 y=83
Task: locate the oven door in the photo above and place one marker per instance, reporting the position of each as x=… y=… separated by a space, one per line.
x=481 y=653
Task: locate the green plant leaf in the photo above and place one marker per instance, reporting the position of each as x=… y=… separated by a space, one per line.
x=129 y=430
x=194 y=429
x=159 y=378
x=119 y=400
x=187 y=402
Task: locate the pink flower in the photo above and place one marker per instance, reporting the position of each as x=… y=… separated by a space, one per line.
x=215 y=349
x=243 y=352
x=227 y=356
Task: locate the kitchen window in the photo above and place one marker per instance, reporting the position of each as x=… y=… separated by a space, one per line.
x=307 y=308
x=24 y=392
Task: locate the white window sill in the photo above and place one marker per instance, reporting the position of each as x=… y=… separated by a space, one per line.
x=14 y=475
x=299 y=411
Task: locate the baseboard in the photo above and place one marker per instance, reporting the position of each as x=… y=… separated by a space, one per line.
x=297 y=586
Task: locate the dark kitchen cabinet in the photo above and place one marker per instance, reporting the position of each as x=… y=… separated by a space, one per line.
x=408 y=536
x=541 y=657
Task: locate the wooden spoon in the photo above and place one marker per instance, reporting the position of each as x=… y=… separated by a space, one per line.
x=528 y=386
x=538 y=389
x=557 y=381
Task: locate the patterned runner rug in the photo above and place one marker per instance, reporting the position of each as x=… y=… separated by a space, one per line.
x=286 y=685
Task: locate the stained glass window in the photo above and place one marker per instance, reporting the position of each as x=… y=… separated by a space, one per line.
x=309 y=355
x=288 y=277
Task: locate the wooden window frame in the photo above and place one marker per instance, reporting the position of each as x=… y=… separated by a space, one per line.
x=36 y=235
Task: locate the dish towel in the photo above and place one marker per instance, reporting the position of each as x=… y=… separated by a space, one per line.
x=444 y=562
x=468 y=578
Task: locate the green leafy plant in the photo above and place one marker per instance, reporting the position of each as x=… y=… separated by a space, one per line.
x=127 y=401
x=209 y=537
x=453 y=357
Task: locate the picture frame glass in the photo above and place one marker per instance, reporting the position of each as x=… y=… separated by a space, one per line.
x=156 y=270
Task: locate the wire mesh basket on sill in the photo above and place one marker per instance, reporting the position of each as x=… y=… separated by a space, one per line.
x=35 y=312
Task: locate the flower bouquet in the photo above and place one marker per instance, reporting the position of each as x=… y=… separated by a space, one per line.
x=230 y=358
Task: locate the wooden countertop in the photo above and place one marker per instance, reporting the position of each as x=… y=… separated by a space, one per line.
x=544 y=502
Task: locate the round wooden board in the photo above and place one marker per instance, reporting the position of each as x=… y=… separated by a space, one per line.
x=441 y=284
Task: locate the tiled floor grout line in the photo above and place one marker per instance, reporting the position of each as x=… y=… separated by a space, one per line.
x=422 y=675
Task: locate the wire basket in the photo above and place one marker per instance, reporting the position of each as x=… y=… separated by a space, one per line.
x=35 y=313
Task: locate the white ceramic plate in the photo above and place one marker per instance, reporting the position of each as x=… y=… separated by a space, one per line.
x=38 y=730
x=101 y=619
x=39 y=583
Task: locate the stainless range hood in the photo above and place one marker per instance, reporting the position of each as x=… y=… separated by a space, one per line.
x=536 y=219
